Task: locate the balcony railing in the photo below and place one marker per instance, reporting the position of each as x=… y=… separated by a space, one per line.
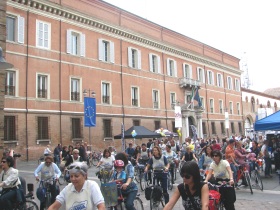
x=106 y=99
x=9 y=90
x=75 y=96
x=134 y=102
x=187 y=82
x=42 y=93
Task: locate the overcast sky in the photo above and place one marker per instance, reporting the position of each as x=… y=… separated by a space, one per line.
x=233 y=26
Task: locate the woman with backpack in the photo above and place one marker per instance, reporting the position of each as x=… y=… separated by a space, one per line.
x=194 y=193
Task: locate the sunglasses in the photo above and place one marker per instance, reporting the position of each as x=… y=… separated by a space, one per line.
x=186 y=176
x=216 y=156
x=3 y=161
x=48 y=162
x=75 y=167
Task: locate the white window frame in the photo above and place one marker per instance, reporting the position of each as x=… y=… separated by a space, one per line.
x=220 y=81
x=238 y=108
x=110 y=92
x=154 y=61
x=134 y=58
x=202 y=102
x=231 y=107
x=171 y=67
x=187 y=70
x=15 y=80
x=237 y=85
x=229 y=82
x=221 y=106
x=154 y=100
x=76 y=47
x=210 y=77
x=45 y=37
x=79 y=87
x=135 y=96
x=108 y=54
x=18 y=28
x=200 y=74
x=47 y=83
x=211 y=106
x=172 y=100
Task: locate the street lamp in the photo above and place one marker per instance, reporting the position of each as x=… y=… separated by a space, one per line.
x=91 y=94
x=3 y=63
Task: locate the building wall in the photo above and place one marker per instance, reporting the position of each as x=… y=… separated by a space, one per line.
x=97 y=19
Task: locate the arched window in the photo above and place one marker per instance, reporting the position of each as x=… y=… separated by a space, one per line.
x=268 y=104
x=253 y=104
x=275 y=107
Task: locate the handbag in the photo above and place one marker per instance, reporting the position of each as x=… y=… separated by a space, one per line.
x=191 y=197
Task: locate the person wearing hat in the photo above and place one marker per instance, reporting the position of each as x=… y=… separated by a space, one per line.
x=230 y=157
x=80 y=193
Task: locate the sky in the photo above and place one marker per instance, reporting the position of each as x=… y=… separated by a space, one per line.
x=246 y=29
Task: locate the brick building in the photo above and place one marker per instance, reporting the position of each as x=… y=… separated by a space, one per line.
x=139 y=70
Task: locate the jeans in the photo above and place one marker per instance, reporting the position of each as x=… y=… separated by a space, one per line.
x=163 y=178
x=130 y=197
x=267 y=166
x=234 y=170
x=57 y=160
x=7 y=199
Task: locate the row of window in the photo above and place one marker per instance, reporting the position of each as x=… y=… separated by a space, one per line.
x=76 y=45
x=223 y=131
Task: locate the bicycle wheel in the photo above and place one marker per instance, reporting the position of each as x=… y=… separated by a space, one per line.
x=175 y=173
x=29 y=205
x=248 y=180
x=138 y=204
x=48 y=200
x=143 y=182
x=154 y=205
x=61 y=179
x=94 y=161
x=169 y=181
x=137 y=174
x=257 y=180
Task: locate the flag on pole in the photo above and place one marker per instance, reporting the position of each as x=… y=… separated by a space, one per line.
x=89 y=112
x=197 y=98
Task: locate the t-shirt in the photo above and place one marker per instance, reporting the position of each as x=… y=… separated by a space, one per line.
x=230 y=153
x=186 y=201
x=188 y=156
x=220 y=170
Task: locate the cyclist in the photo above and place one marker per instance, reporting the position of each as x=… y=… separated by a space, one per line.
x=129 y=188
x=221 y=169
x=130 y=150
x=80 y=193
x=189 y=155
x=171 y=157
x=255 y=149
x=10 y=183
x=195 y=194
x=107 y=159
x=143 y=155
x=48 y=170
x=159 y=162
x=205 y=161
x=175 y=147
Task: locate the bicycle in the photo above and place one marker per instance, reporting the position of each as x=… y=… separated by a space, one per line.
x=138 y=203
x=243 y=175
x=47 y=184
x=105 y=173
x=95 y=158
x=255 y=177
x=64 y=177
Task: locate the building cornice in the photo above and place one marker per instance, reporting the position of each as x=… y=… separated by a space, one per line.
x=63 y=12
x=245 y=90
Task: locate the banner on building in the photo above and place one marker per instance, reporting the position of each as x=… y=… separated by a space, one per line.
x=178 y=117
x=89 y=112
x=226 y=120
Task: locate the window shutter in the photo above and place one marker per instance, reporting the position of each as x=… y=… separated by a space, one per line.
x=129 y=52
x=68 y=40
x=83 y=46
x=100 y=50
x=139 y=59
x=197 y=73
x=190 y=71
x=175 y=68
x=46 y=30
x=112 y=52
x=168 y=67
x=151 y=62
x=158 y=64
x=21 y=29
x=37 y=33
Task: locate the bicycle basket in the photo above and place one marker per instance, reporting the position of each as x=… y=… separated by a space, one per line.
x=148 y=192
x=157 y=193
x=215 y=195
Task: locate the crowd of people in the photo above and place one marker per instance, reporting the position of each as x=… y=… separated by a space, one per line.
x=202 y=161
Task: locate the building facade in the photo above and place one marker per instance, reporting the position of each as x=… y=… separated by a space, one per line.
x=257 y=104
x=139 y=71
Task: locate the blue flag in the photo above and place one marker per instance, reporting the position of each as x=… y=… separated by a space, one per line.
x=90 y=112
x=197 y=98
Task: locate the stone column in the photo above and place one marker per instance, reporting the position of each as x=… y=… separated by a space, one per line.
x=185 y=128
x=199 y=126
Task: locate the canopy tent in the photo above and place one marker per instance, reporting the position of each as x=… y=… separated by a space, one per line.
x=166 y=133
x=271 y=122
x=138 y=132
